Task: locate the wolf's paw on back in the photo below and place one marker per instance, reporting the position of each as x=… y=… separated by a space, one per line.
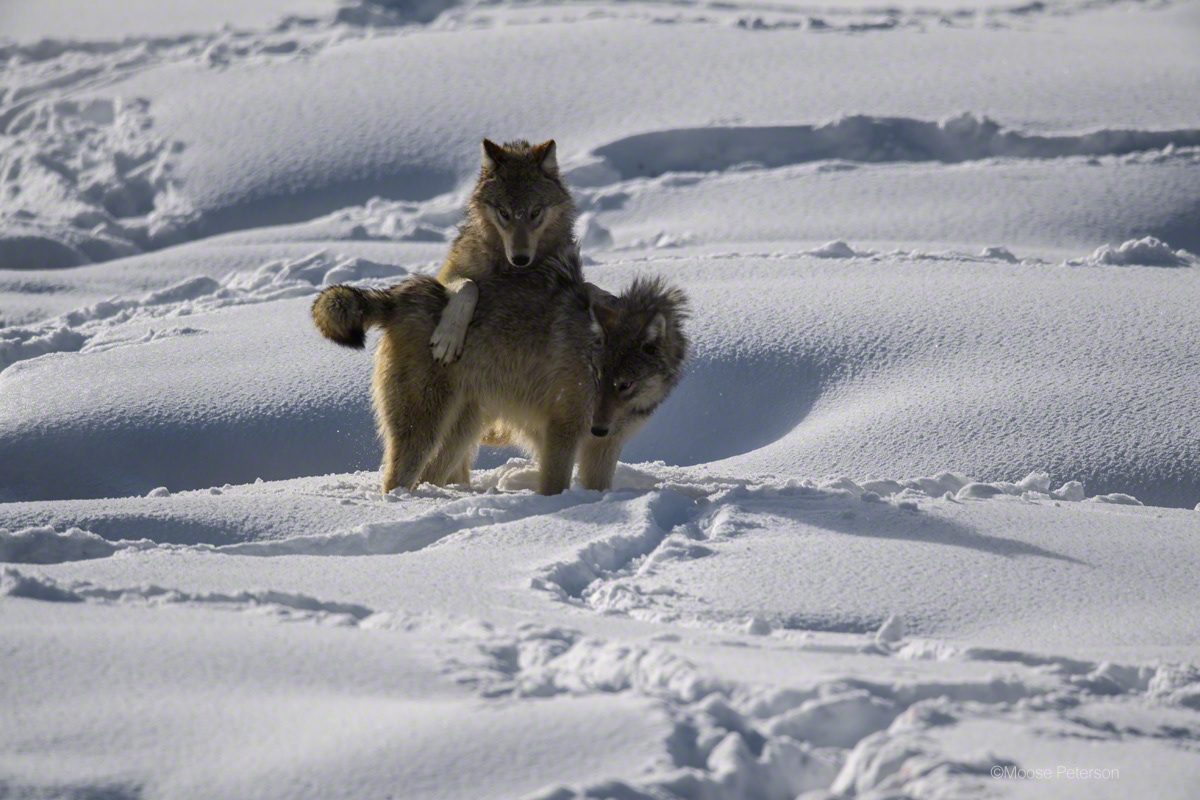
x=447 y=340
x=451 y=331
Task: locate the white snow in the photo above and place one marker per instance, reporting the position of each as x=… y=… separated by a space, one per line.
x=1148 y=251
x=921 y=520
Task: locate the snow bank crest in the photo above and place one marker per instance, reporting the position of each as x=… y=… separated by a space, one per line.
x=378 y=538
x=1146 y=252
x=862 y=139
x=45 y=545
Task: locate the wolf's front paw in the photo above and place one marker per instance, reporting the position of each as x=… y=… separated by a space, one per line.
x=447 y=342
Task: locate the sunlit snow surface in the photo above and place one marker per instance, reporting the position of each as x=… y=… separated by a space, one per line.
x=920 y=520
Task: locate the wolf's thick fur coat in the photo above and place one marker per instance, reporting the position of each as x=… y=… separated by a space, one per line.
x=534 y=362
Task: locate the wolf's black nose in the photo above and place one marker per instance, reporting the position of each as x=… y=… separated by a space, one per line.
x=520 y=261
x=598 y=431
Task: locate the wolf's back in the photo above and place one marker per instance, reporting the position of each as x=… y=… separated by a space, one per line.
x=344 y=313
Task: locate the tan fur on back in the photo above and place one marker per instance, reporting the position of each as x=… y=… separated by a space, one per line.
x=533 y=362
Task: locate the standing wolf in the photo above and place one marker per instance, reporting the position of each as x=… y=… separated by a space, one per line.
x=520 y=212
x=562 y=374
x=533 y=360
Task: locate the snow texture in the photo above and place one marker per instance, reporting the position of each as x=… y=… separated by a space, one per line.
x=921 y=519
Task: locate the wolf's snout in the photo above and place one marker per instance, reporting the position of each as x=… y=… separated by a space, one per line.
x=520 y=261
x=597 y=430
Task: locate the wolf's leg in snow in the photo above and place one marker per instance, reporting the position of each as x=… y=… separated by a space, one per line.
x=556 y=456
x=598 y=461
x=412 y=433
x=451 y=330
x=414 y=405
x=452 y=464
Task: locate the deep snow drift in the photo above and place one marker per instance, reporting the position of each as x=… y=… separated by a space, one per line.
x=921 y=520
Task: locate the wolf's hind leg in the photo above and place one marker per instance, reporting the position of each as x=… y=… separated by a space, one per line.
x=409 y=439
x=412 y=421
x=452 y=464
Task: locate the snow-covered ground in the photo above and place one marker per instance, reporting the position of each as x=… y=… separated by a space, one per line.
x=922 y=520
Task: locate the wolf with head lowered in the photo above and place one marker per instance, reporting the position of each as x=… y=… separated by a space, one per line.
x=552 y=362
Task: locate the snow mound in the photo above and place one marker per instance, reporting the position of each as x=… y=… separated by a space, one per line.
x=862 y=138
x=1148 y=252
x=45 y=545
x=838 y=249
x=594 y=236
x=14 y=583
x=1117 y=498
x=18 y=344
x=1034 y=486
x=996 y=253
x=87 y=181
x=665 y=498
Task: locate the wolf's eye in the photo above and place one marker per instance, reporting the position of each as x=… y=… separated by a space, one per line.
x=500 y=212
x=624 y=386
x=534 y=213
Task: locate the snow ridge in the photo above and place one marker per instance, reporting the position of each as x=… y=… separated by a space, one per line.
x=45 y=545
x=673 y=516
x=14 y=583
x=379 y=538
x=858 y=138
x=676 y=518
x=103 y=325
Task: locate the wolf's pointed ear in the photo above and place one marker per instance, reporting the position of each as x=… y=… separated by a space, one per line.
x=546 y=154
x=656 y=329
x=605 y=315
x=493 y=154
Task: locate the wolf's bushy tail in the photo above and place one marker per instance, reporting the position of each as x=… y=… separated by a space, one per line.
x=343 y=313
